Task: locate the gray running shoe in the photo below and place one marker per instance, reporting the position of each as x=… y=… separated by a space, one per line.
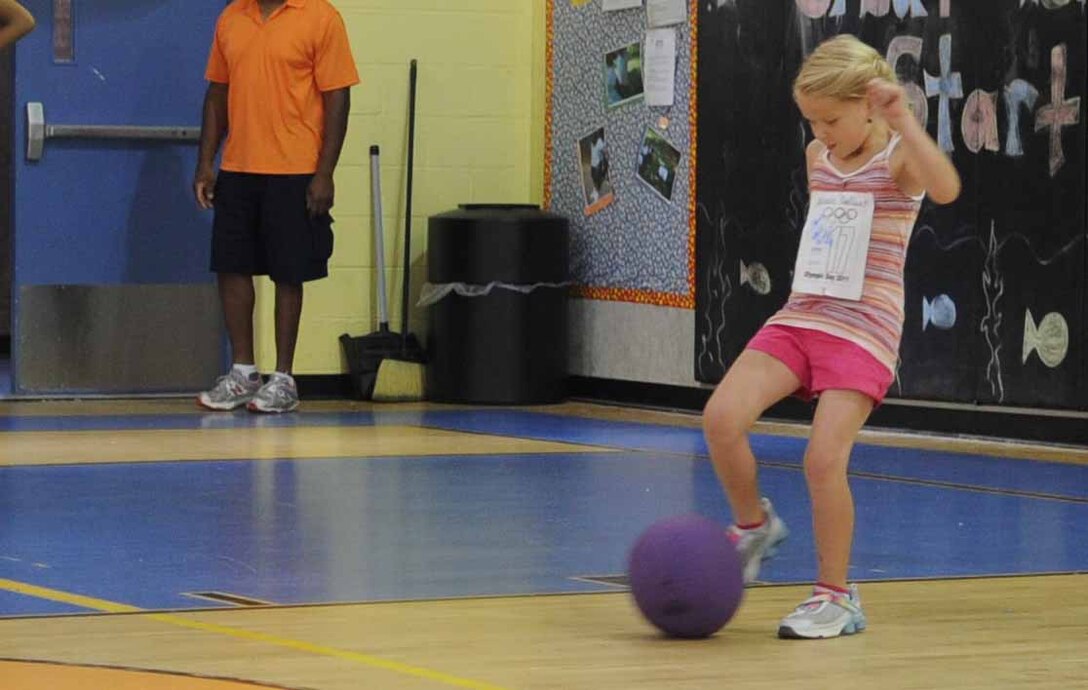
x=230 y=391
x=278 y=395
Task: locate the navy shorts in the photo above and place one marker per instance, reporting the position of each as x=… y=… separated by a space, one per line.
x=262 y=227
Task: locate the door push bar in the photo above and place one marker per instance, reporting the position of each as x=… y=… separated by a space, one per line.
x=37 y=131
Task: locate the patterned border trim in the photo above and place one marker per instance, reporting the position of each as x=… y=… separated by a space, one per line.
x=661 y=299
x=549 y=89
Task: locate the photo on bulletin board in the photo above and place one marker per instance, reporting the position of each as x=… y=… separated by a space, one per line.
x=657 y=163
x=623 y=75
x=596 y=185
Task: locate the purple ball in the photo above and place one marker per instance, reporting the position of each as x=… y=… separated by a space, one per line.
x=685 y=576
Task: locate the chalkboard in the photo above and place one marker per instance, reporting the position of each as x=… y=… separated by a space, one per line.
x=996 y=307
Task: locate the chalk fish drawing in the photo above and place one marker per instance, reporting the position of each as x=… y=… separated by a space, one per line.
x=941 y=312
x=756 y=276
x=1050 y=338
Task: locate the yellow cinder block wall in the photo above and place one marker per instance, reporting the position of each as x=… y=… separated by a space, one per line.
x=479 y=138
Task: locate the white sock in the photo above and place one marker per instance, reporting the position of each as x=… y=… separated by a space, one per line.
x=282 y=375
x=248 y=371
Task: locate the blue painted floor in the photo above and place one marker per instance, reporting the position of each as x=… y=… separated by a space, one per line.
x=12 y=604
x=5 y=376
x=336 y=530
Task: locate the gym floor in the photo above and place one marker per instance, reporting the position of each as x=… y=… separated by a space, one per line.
x=425 y=546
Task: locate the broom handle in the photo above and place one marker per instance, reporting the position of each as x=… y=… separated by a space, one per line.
x=408 y=203
x=379 y=234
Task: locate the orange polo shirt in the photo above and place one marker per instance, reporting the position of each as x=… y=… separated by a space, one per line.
x=277 y=70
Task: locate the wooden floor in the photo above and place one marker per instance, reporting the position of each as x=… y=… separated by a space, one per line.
x=989 y=633
x=80 y=447
x=986 y=633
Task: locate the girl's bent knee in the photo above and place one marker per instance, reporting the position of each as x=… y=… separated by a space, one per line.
x=723 y=423
x=824 y=470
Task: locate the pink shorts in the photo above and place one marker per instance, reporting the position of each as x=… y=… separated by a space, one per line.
x=823 y=361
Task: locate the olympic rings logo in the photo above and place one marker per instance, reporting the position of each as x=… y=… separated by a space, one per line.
x=840 y=214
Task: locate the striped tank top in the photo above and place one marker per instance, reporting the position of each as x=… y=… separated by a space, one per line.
x=875 y=322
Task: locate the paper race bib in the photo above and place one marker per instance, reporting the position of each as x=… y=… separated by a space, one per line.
x=835 y=245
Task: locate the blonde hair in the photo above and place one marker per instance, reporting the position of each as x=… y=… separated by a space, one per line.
x=841 y=67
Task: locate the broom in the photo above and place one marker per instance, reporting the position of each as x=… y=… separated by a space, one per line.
x=366 y=353
x=400 y=373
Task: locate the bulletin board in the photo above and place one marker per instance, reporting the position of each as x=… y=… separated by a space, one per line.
x=620 y=168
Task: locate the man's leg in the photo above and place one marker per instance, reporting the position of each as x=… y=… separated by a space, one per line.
x=235 y=261
x=288 y=315
x=237 y=297
x=298 y=247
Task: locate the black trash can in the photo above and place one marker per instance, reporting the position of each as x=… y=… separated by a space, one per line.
x=498 y=330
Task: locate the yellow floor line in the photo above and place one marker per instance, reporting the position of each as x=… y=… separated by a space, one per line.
x=243 y=634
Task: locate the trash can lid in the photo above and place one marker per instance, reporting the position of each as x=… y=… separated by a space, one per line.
x=476 y=207
x=509 y=243
x=500 y=212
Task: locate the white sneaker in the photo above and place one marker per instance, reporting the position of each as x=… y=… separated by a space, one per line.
x=824 y=614
x=278 y=395
x=760 y=543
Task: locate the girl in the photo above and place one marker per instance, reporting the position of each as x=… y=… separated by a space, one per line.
x=15 y=22
x=869 y=166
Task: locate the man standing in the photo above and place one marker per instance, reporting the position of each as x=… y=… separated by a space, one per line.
x=279 y=75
